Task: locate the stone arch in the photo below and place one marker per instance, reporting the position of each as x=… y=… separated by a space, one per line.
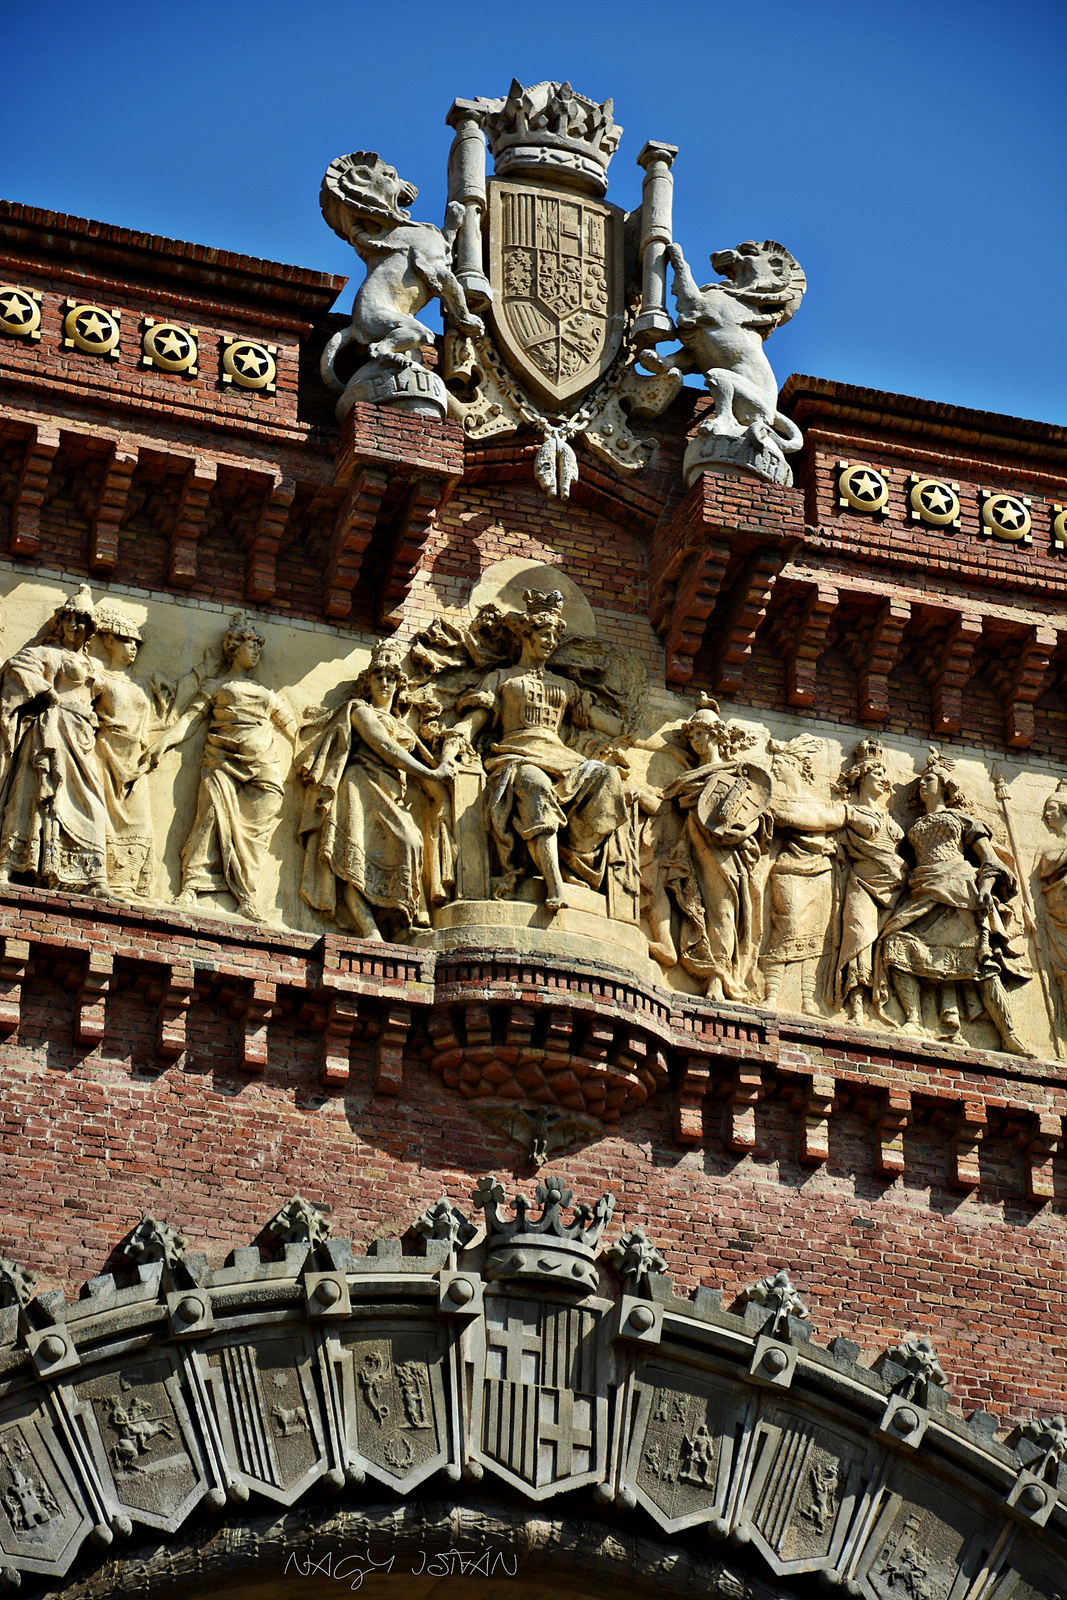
x=588 y=1412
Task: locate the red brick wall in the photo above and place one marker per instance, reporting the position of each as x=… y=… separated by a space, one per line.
x=89 y=1141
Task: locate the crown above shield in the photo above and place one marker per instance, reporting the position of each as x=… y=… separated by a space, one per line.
x=550 y=129
x=545 y=1249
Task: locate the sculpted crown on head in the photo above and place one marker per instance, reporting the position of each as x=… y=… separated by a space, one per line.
x=575 y=298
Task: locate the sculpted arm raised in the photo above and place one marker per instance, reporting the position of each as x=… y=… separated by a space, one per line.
x=408 y=265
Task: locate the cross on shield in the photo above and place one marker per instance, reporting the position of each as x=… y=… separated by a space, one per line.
x=540 y=1413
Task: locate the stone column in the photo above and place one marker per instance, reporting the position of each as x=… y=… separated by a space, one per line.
x=466 y=183
x=657 y=192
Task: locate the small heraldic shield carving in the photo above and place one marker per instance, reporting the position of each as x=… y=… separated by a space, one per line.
x=556 y=268
x=540 y=1411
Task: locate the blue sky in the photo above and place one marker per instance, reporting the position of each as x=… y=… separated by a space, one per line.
x=913 y=156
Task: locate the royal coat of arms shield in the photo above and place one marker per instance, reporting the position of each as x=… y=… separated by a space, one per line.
x=556 y=269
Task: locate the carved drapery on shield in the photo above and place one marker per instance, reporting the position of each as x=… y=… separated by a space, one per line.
x=556 y=267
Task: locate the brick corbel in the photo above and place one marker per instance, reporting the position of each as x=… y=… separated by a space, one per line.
x=874 y=654
x=947 y=669
x=745 y=614
x=32 y=490
x=723 y=519
x=390 y=1030
x=253 y=1008
x=692 y=1086
x=686 y=599
x=1040 y=1142
x=800 y=634
x=814 y=1103
x=1019 y=684
x=15 y=957
x=110 y=507
x=182 y=521
x=173 y=994
x=966 y=1131
x=742 y=1093
x=341 y=1026
x=352 y=529
x=889 y=1115
x=411 y=530
x=93 y=984
x=264 y=540
x=410 y=463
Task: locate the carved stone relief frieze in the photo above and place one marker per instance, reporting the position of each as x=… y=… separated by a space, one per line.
x=507 y=778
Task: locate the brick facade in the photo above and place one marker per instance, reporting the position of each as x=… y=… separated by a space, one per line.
x=160 y=1062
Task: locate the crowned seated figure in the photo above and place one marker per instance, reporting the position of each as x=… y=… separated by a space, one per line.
x=549 y=807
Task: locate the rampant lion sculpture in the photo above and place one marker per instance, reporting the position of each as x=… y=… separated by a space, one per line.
x=408 y=265
x=722 y=327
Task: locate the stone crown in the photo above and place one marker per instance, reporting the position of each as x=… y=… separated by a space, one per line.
x=544 y=1248
x=550 y=126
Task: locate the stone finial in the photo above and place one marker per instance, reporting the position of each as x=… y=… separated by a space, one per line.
x=919 y=1359
x=1043 y=1440
x=777 y=1293
x=16 y=1283
x=443 y=1220
x=301 y=1222
x=634 y=1256
x=155 y=1241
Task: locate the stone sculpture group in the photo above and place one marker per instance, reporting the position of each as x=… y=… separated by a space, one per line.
x=560 y=352
x=496 y=735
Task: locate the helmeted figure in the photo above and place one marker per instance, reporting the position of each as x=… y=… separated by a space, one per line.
x=54 y=812
x=953 y=928
x=547 y=804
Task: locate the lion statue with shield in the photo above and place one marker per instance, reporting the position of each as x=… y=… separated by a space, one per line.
x=722 y=327
x=408 y=265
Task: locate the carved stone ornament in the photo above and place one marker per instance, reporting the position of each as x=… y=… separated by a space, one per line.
x=441 y=1365
x=562 y=350
x=363 y=200
x=722 y=327
x=506 y=781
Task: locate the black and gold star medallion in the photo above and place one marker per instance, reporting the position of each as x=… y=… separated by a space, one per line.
x=861 y=488
x=92 y=329
x=169 y=347
x=20 y=312
x=935 y=501
x=249 y=365
x=1059 y=527
x=1007 y=517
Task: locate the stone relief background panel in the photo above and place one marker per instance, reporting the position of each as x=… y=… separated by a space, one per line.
x=302 y=664
x=505 y=778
